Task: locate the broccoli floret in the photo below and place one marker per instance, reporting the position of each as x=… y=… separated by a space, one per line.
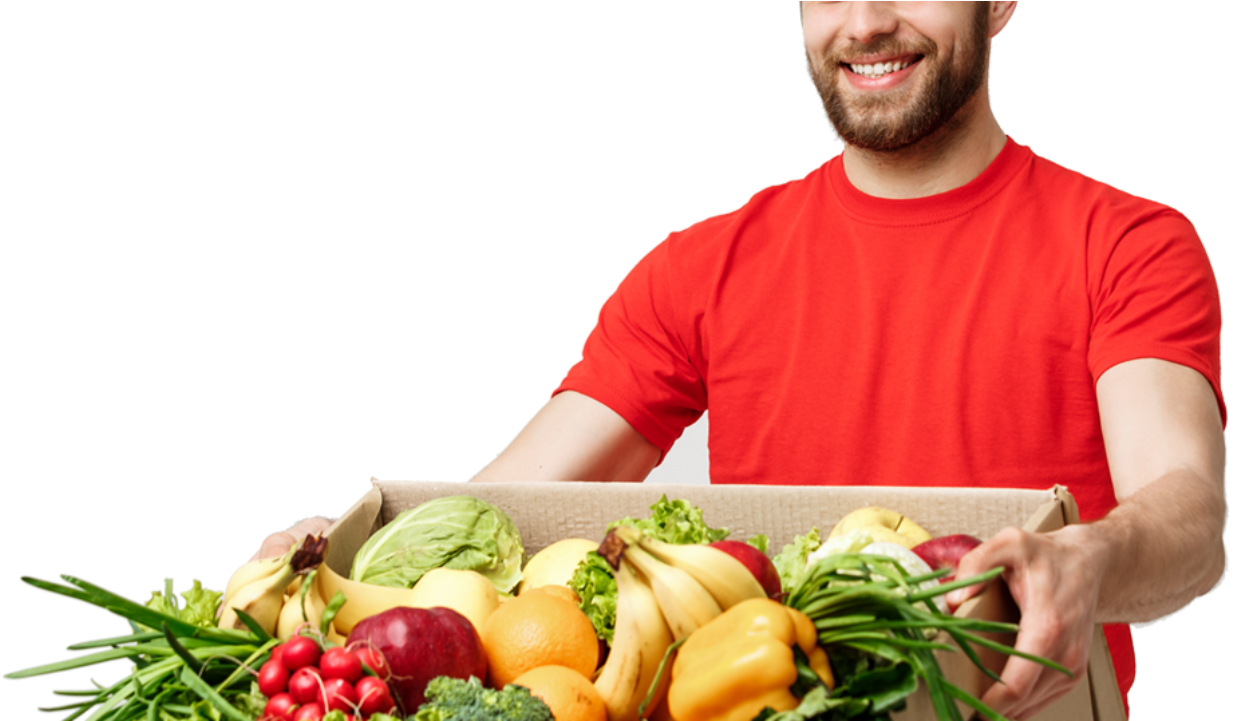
x=452 y=699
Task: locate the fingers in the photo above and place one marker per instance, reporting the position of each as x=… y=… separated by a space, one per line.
x=984 y=557
x=277 y=544
x=1056 y=597
x=1018 y=679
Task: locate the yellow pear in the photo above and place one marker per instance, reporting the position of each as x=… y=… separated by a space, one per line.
x=555 y=564
x=467 y=592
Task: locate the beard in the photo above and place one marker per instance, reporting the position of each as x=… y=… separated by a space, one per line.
x=891 y=121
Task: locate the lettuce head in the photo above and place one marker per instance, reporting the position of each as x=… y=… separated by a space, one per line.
x=459 y=532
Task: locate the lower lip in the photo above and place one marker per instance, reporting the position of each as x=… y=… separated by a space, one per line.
x=884 y=82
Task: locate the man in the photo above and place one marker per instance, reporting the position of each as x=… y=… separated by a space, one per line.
x=936 y=306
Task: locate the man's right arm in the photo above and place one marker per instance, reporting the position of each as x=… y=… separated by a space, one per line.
x=574 y=438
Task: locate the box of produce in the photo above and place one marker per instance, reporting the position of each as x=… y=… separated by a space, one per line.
x=786 y=518
x=595 y=602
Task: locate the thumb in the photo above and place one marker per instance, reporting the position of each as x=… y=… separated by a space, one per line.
x=980 y=559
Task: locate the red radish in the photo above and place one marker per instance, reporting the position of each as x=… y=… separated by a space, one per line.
x=371 y=658
x=300 y=651
x=946 y=552
x=339 y=695
x=375 y=696
x=305 y=685
x=276 y=654
x=309 y=712
x=756 y=562
x=272 y=679
x=280 y=707
x=340 y=663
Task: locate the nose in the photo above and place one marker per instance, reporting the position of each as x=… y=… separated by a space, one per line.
x=866 y=21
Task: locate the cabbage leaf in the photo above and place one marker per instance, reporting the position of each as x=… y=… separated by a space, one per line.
x=460 y=532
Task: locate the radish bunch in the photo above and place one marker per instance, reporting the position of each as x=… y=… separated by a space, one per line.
x=305 y=683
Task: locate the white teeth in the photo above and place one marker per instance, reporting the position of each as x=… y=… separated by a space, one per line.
x=878 y=69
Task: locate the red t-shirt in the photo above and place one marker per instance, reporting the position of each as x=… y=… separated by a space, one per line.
x=955 y=340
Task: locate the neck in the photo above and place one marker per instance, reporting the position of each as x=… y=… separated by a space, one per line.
x=947 y=159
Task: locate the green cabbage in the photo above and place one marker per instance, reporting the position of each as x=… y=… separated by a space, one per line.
x=459 y=532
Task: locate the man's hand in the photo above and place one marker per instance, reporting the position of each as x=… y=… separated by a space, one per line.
x=1160 y=548
x=277 y=544
x=1052 y=578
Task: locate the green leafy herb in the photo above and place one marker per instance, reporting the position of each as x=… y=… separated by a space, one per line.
x=675 y=522
x=791 y=563
x=185 y=671
x=760 y=541
x=594 y=583
x=201 y=604
x=872 y=619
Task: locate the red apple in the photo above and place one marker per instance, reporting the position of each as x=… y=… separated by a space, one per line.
x=946 y=552
x=420 y=644
x=756 y=562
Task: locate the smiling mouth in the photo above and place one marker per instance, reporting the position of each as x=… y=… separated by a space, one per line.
x=879 y=70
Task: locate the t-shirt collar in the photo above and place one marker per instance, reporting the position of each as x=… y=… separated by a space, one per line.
x=933 y=208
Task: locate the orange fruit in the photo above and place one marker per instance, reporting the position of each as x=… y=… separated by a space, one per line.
x=570 y=695
x=537 y=629
x=563 y=592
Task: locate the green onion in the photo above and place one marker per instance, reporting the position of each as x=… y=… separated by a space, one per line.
x=181 y=671
x=872 y=618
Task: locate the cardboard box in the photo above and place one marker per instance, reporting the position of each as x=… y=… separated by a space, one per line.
x=547 y=512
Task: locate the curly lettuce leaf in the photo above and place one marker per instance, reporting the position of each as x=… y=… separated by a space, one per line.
x=594 y=583
x=759 y=541
x=200 y=604
x=791 y=563
x=675 y=522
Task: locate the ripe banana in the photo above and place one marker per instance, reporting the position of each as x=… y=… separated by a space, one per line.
x=466 y=592
x=722 y=575
x=292 y=615
x=262 y=600
x=254 y=571
x=685 y=603
x=641 y=638
x=262 y=597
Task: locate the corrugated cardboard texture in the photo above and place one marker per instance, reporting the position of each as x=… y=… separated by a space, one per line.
x=547 y=512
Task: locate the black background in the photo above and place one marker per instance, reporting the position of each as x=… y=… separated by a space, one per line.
x=296 y=281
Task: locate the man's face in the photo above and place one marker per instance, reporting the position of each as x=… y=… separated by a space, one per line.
x=892 y=74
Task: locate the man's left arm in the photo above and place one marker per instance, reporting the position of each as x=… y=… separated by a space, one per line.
x=1161 y=547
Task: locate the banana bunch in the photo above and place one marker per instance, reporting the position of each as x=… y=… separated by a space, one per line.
x=665 y=592
x=298 y=610
x=258 y=587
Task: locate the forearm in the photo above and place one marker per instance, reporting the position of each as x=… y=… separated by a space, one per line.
x=574 y=438
x=1159 y=549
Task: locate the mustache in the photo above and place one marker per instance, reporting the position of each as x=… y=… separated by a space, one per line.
x=880 y=46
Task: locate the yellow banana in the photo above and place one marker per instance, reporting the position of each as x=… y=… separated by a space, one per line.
x=254 y=571
x=292 y=615
x=685 y=603
x=262 y=597
x=466 y=592
x=641 y=638
x=262 y=600
x=724 y=577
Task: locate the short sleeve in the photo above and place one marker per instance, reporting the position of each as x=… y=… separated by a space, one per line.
x=1154 y=295
x=636 y=360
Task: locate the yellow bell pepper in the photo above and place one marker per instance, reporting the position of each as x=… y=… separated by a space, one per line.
x=742 y=661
